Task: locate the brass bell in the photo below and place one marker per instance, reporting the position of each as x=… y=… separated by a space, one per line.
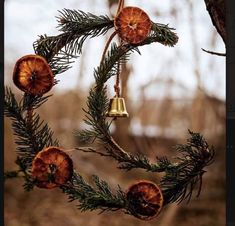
x=117 y=108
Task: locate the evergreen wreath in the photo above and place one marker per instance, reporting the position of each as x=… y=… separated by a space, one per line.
x=41 y=160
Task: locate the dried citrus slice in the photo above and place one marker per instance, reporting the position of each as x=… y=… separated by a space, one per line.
x=145 y=200
x=133 y=25
x=51 y=168
x=33 y=75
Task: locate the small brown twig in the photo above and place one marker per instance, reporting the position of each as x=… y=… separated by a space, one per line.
x=92 y=150
x=214 y=53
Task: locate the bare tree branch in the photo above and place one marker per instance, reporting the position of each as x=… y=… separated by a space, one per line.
x=214 y=53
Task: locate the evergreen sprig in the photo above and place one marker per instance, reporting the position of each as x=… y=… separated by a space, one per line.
x=11 y=174
x=180 y=181
x=163 y=34
x=33 y=101
x=92 y=197
x=77 y=21
x=76 y=27
x=181 y=176
x=33 y=134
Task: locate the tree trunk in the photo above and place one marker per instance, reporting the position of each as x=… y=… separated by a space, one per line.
x=217 y=12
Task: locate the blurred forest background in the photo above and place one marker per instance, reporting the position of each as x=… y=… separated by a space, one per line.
x=167 y=91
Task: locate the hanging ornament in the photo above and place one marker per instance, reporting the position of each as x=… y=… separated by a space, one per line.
x=117 y=108
x=132 y=24
x=145 y=200
x=51 y=168
x=33 y=75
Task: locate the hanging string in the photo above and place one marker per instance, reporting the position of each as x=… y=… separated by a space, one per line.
x=120 y=6
x=107 y=45
x=117 y=84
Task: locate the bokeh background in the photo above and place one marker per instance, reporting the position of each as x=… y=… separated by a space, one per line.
x=167 y=91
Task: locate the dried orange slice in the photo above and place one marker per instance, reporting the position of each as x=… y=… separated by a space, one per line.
x=33 y=75
x=145 y=200
x=133 y=25
x=51 y=168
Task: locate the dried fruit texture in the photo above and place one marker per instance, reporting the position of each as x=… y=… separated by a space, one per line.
x=33 y=75
x=51 y=168
x=133 y=25
x=145 y=200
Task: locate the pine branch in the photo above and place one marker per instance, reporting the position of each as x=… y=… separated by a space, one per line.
x=24 y=169
x=11 y=174
x=181 y=177
x=179 y=182
x=23 y=172
x=76 y=27
x=95 y=197
x=83 y=23
x=163 y=34
x=128 y=161
x=51 y=48
x=33 y=102
x=32 y=136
